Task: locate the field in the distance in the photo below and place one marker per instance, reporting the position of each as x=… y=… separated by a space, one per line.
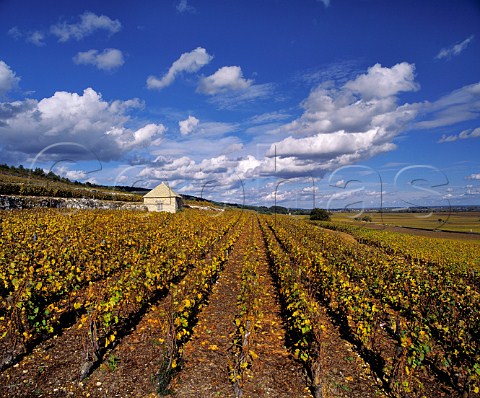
x=468 y=222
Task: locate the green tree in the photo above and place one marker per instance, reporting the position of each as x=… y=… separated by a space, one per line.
x=319 y=214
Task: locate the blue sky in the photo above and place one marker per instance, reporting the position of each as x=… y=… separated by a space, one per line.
x=329 y=103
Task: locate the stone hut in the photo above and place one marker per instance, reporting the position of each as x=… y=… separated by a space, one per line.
x=163 y=198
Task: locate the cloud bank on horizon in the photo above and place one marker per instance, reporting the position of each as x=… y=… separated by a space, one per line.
x=207 y=114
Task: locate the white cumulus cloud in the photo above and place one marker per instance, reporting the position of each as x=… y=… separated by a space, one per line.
x=88 y=24
x=348 y=124
x=146 y=134
x=328 y=109
x=326 y=145
x=73 y=175
x=456 y=49
x=188 y=125
x=381 y=82
x=465 y=134
x=8 y=79
x=108 y=59
x=188 y=62
x=227 y=78
x=28 y=127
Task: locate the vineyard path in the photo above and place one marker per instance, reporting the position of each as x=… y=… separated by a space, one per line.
x=274 y=373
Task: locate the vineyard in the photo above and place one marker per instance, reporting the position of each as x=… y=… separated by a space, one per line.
x=229 y=304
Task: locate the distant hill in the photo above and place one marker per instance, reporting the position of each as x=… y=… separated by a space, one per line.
x=26 y=182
